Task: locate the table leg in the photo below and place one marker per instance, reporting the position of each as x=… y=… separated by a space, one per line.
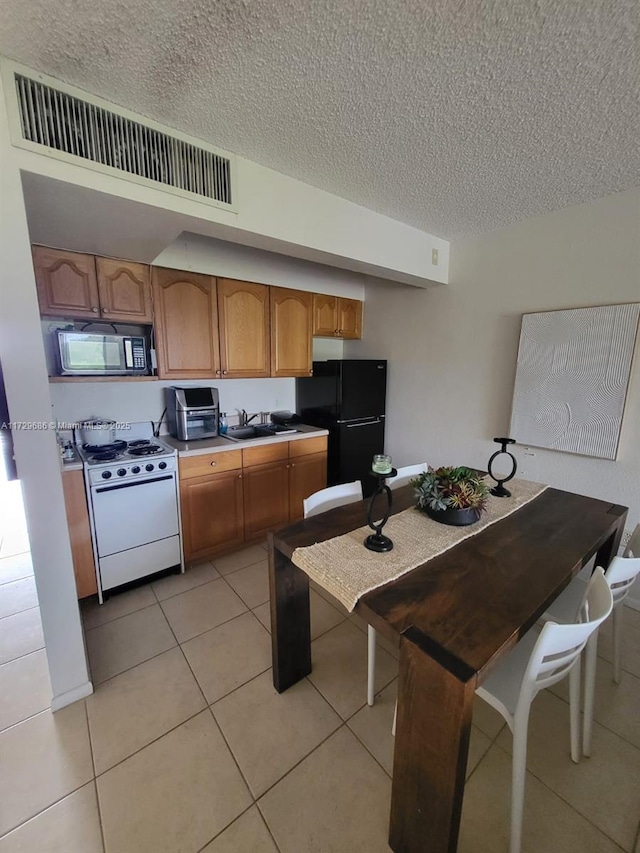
x=435 y=705
x=290 y=620
x=610 y=548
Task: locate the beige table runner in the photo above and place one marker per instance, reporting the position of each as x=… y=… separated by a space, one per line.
x=348 y=570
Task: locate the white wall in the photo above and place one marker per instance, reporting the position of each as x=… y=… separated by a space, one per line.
x=229 y=260
x=274 y=212
x=452 y=350
x=143 y=401
x=140 y=401
x=37 y=457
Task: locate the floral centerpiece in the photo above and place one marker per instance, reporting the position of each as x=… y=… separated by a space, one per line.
x=455 y=496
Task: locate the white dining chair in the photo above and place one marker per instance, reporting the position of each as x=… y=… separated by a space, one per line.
x=321 y=501
x=333 y=496
x=406 y=474
x=620 y=575
x=539 y=660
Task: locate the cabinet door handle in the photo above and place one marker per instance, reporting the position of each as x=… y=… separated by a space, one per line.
x=239 y=476
x=286 y=466
x=213 y=464
x=95 y=310
x=293 y=464
x=311 y=373
x=218 y=372
x=224 y=372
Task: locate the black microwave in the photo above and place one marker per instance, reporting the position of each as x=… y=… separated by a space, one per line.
x=91 y=354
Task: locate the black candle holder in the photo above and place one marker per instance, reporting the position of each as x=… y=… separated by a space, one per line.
x=377 y=541
x=499 y=490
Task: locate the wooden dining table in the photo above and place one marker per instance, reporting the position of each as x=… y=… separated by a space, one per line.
x=453 y=618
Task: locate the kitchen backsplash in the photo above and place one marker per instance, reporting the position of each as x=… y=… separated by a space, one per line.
x=141 y=401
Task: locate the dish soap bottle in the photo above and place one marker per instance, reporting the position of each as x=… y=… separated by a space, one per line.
x=222 y=424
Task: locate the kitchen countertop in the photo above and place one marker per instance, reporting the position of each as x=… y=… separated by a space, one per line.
x=74 y=464
x=215 y=445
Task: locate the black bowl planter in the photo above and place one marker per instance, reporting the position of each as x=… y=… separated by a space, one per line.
x=453 y=516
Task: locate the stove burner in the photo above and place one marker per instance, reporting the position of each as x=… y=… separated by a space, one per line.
x=139 y=442
x=105 y=456
x=115 y=447
x=148 y=450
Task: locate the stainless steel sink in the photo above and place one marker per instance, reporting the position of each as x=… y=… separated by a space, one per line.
x=244 y=433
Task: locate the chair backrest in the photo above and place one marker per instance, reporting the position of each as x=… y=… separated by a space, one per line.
x=409 y=472
x=558 y=646
x=325 y=499
x=620 y=576
x=633 y=545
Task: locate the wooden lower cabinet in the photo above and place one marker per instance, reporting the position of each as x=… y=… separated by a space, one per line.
x=307 y=474
x=212 y=514
x=266 y=498
x=236 y=496
x=75 y=500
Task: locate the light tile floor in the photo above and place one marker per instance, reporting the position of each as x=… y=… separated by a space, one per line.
x=185 y=747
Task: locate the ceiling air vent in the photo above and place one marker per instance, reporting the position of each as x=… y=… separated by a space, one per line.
x=73 y=126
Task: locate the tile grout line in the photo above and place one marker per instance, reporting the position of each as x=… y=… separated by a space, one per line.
x=160 y=601
x=26 y=654
x=19 y=612
x=217 y=725
x=129 y=668
x=574 y=808
x=46 y=808
x=561 y=798
x=603 y=725
x=118 y=618
x=95 y=778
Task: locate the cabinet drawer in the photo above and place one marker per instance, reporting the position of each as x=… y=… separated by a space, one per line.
x=305 y=446
x=265 y=453
x=209 y=463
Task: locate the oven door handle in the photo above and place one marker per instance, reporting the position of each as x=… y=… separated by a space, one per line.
x=130 y=485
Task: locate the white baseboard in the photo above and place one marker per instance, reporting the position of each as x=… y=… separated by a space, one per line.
x=64 y=699
x=633 y=603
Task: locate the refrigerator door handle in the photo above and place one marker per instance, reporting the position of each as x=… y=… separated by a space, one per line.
x=374 y=419
x=367 y=423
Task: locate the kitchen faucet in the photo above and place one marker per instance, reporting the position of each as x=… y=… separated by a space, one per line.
x=245 y=420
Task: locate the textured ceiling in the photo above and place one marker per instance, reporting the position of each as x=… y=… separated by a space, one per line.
x=452 y=115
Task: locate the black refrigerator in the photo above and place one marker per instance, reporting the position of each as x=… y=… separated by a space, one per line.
x=347 y=397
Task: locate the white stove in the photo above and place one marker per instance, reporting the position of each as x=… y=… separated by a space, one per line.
x=132 y=487
x=123 y=460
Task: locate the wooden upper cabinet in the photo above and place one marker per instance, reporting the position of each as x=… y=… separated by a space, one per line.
x=325 y=315
x=125 y=291
x=336 y=317
x=349 y=318
x=66 y=282
x=243 y=318
x=291 y=332
x=186 y=317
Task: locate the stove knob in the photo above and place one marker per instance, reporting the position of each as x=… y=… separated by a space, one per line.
x=148 y=467
x=106 y=475
x=162 y=465
x=135 y=469
x=122 y=472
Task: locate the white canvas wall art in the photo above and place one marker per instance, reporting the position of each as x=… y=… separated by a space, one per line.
x=572 y=376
